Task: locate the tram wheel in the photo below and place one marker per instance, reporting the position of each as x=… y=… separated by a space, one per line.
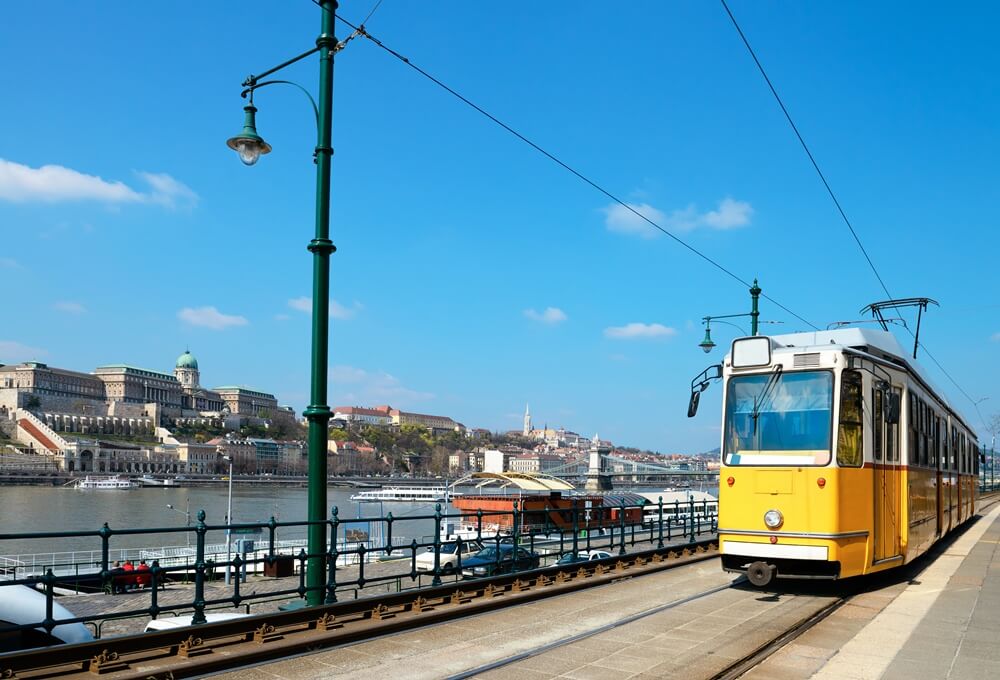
x=760 y=573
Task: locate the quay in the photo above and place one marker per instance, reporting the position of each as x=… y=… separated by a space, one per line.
x=938 y=618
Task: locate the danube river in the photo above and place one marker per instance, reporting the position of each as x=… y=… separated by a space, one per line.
x=48 y=509
x=37 y=509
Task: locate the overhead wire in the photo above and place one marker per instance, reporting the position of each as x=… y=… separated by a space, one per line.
x=360 y=29
x=833 y=196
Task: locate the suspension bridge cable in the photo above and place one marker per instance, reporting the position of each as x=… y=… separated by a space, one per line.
x=360 y=30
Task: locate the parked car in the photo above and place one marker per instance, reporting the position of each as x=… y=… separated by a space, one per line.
x=583 y=556
x=449 y=556
x=501 y=559
x=20 y=605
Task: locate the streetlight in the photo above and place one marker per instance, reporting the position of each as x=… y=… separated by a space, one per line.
x=707 y=345
x=229 y=520
x=187 y=518
x=250 y=147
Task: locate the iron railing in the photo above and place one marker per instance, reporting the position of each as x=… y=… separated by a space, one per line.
x=357 y=564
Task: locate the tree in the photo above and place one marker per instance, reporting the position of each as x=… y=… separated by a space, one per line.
x=338 y=435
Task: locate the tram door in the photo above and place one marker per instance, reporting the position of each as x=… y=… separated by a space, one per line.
x=887 y=484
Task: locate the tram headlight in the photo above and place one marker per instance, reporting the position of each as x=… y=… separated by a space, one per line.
x=773 y=519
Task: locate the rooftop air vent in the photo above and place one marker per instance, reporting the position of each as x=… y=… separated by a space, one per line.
x=810 y=360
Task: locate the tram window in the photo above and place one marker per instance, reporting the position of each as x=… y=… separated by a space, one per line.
x=953 y=454
x=922 y=434
x=877 y=425
x=913 y=445
x=935 y=440
x=851 y=420
x=961 y=453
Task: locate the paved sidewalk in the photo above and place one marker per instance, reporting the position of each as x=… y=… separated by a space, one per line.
x=944 y=623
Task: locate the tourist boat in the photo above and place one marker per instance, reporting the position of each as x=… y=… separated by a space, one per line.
x=150 y=480
x=112 y=483
x=406 y=494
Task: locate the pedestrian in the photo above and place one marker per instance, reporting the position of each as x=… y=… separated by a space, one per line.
x=117 y=581
x=142 y=576
x=129 y=578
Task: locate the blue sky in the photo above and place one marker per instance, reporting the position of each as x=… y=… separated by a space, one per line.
x=472 y=274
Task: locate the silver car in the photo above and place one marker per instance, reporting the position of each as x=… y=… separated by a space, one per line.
x=449 y=556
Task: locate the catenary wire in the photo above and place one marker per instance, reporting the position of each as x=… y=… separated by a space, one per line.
x=362 y=31
x=833 y=196
x=805 y=147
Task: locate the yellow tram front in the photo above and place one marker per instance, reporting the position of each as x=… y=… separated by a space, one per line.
x=795 y=498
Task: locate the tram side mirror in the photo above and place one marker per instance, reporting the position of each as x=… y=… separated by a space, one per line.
x=693 y=404
x=892 y=409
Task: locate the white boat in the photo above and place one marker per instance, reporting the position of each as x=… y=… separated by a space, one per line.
x=407 y=494
x=112 y=483
x=149 y=480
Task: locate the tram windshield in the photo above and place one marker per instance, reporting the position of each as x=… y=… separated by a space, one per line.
x=779 y=419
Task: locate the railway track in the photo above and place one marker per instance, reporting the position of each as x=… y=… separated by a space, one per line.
x=237 y=643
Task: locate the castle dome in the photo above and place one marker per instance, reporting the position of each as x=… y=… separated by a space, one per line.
x=187 y=360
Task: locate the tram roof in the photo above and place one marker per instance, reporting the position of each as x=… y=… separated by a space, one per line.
x=862 y=339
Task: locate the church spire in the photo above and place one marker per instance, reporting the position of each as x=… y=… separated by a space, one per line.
x=527 y=421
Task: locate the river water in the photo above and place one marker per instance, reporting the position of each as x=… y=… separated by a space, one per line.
x=47 y=509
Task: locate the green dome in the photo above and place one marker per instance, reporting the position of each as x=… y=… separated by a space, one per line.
x=187 y=360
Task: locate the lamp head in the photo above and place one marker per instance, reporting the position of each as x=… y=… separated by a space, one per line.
x=248 y=144
x=707 y=345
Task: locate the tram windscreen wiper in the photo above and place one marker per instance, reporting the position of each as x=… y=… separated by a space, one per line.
x=765 y=394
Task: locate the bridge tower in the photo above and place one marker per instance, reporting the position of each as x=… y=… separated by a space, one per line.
x=598 y=478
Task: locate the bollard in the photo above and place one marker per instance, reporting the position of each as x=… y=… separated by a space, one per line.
x=237 y=563
x=49 y=579
x=302 y=572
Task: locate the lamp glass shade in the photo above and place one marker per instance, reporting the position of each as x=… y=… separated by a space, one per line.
x=707 y=345
x=248 y=144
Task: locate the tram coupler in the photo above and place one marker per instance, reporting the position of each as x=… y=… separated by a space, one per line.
x=760 y=573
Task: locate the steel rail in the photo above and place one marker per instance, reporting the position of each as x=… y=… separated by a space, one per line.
x=212 y=647
x=590 y=633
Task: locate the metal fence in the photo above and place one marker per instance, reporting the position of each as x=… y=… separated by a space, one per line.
x=363 y=556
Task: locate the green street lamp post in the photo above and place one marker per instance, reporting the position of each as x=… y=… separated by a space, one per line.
x=707 y=345
x=250 y=146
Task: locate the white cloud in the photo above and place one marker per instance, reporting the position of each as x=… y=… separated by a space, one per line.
x=55 y=183
x=12 y=352
x=210 y=317
x=356 y=387
x=639 y=331
x=9 y=263
x=622 y=220
x=729 y=215
x=301 y=304
x=337 y=310
x=167 y=191
x=551 y=315
x=70 y=307
x=995 y=337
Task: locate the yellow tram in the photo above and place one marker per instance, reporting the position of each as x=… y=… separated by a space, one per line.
x=838 y=457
